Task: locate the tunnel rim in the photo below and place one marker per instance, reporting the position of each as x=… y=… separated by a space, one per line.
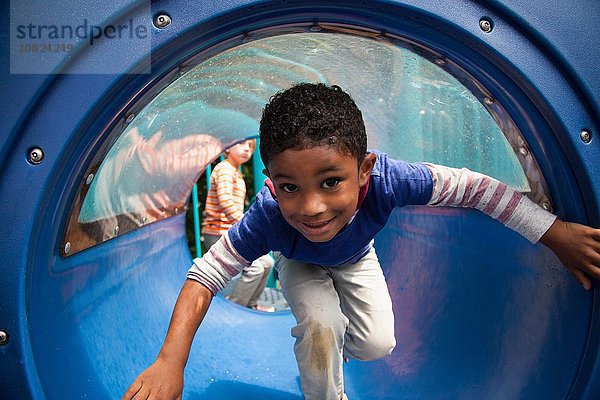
x=578 y=209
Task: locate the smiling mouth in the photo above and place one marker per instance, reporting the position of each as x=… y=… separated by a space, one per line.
x=316 y=225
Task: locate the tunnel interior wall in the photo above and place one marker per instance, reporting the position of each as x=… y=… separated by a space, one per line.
x=479 y=312
x=499 y=316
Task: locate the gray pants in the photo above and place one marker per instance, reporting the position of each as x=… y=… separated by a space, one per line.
x=343 y=311
x=248 y=288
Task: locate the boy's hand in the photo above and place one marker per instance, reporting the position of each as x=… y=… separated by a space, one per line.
x=160 y=381
x=578 y=248
x=163 y=380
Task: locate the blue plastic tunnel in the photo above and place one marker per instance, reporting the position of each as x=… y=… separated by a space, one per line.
x=91 y=265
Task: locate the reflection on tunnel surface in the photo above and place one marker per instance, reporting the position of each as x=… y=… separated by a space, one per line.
x=413 y=107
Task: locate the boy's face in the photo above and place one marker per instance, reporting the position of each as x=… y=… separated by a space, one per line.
x=240 y=153
x=317 y=189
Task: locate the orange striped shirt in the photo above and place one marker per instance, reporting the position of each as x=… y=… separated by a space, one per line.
x=224 y=200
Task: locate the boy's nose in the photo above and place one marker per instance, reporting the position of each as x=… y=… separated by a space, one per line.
x=312 y=204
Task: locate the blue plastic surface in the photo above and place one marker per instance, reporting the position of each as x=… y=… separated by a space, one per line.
x=480 y=313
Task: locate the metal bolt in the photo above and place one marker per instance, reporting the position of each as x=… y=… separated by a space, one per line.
x=523 y=151
x=315 y=28
x=116 y=230
x=486 y=24
x=488 y=100
x=89 y=179
x=36 y=155
x=67 y=247
x=130 y=118
x=176 y=210
x=162 y=21
x=585 y=136
x=3 y=337
x=440 y=61
x=547 y=206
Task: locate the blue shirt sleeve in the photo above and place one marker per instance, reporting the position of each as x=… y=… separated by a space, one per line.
x=403 y=183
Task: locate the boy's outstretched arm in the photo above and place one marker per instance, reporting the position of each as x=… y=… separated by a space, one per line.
x=164 y=378
x=209 y=274
x=578 y=248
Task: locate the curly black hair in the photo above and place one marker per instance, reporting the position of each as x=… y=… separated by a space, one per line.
x=310 y=115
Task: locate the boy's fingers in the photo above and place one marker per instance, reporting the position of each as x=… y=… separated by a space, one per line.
x=132 y=390
x=595 y=242
x=592 y=264
x=581 y=278
x=143 y=393
x=594 y=271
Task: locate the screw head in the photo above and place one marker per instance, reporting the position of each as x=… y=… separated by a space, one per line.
x=523 y=151
x=315 y=28
x=486 y=24
x=89 y=179
x=161 y=21
x=3 y=337
x=67 y=247
x=36 y=155
x=586 y=136
x=488 y=101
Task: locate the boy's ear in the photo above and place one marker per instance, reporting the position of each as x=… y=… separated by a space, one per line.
x=366 y=166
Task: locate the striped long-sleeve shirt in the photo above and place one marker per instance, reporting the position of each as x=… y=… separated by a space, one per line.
x=224 y=200
x=463 y=188
x=392 y=184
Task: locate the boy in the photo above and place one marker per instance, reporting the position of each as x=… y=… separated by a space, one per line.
x=326 y=199
x=225 y=207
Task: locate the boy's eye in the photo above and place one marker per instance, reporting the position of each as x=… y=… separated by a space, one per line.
x=288 y=188
x=330 y=183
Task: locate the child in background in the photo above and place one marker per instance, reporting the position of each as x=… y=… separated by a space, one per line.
x=224 y=207
x=327 y=198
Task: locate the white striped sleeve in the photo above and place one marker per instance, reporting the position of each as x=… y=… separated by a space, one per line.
x=454 y=187
x=218 y=266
